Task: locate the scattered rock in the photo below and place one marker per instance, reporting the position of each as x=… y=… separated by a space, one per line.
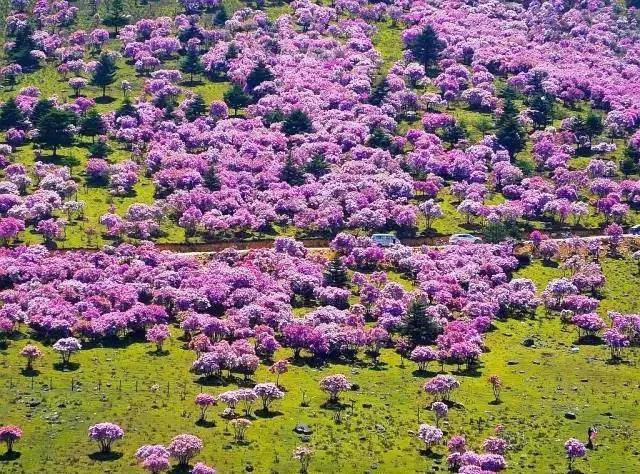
x=380 y=428
x=249 y=468
x=513 y=362
x=575 y=349
x=528 y=342
x=570 y=415
x=303 y=429
x=535 y=362
x=367 y=405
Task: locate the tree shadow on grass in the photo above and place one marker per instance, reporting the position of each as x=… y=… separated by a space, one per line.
x=496 y=402
x=12 y=456
x=63 y=160
x=105 y=100
x=195 y=82
x=105 y=457
x=267 y=414
x=29 y=372
x=206 y=423
x=68 y=367
x=162 y=353
x=180 y=470
x=428 y=453
x=334 y=406
x=423 y=373
x=589 y=340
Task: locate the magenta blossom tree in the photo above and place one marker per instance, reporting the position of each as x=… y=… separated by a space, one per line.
x=184 y=447
x=9 y=434
x=66 y=347
x=333 y=385
x=157 y=334
x=105 y=434
x=31 y=353
x=204 y=402
x=268 y=392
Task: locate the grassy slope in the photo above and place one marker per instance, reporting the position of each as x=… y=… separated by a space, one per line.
x=547 y=381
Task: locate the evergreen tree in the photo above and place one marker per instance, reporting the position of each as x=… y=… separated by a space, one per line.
x=236 y=98
x=452 y=133
x=232 y=51
x=192 y=31
x=191 y=63
x=593 y=125
x=211 y=179
x=115 y=16
x=418 y=326
x=297 y=122
x=509 y=131
x=258 y=75
x=42 y=108
x=273 y=116
x=426 y=47
x=335 y=274
x=126 y=109
x=318 y=165
x=379 y=139
x=291 y=173
x=92 y=124
x=104 y=73
x=196 y=108
x=10 y=115
x=379 y=92
x=541 y=105
x=220 y=17
x=55 y=129
x=629 y=164
x=23 y=45
x=99 y=149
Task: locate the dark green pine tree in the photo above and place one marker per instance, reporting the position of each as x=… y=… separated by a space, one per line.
x=629 y=164
x=104 y=73
x=197 y=108
x=99 y=149
x=418 y=326
x=297 y=122
x=236 y=98
x=452 y=133
x=335 y=274
x=211 y=179
x=593 y=125
x=55 y=129
x=232 y=51
x=126 y=108
x=291 y=173
x=541 y=105
x=259 y=74
x=273 y=116
x=10 y=115
x=191 y=63
x=317 y=166
x=220 y=17
x=115 y=16
x=42 y=108
x=92 y=125
x=23 y=45
x=379 y=92
x=426 y=47
x=509 y=131
x=379 y=139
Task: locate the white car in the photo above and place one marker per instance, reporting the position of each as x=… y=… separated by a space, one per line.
x=385 y=240
x=464 y=239
x=635 y=230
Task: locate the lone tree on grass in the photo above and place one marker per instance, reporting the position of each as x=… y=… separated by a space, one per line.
x=105 y=72
x=10 y=115
x=92 y=125
x=191 y=63
x=509 y=131
x=297 y=122
x=336 y=273
x=418 y=325
x=56 y=129
x=115 y=16
x=236 y=98
x=426 y=47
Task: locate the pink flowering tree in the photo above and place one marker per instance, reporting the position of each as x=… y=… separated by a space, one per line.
x=105 y=434
x=575 y=449
x=157 y=334
x=204 y=401
x=333 y=385
x=278 y=368
x=31 y=353
x=66 y=347
x=9 y=434
x=268 y=392
x=429 y=435
x=184 y=447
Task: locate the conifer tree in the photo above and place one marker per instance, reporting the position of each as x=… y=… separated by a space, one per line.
x=335 y=274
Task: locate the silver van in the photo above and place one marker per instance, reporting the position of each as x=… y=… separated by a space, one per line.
x=385 y=240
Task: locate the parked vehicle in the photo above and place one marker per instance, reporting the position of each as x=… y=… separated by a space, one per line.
x=634 y=229
x=385 y=240
x=464 y=239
